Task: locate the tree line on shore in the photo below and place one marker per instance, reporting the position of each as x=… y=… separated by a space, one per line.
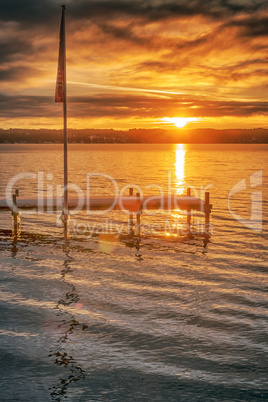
x=153 y=136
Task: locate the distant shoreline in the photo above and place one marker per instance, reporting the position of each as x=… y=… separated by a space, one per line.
x=135 y=136
x=133 y=143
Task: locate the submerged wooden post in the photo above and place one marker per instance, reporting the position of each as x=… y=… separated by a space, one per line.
x=138 y=226
x=131 y=222
x=189 y=214
x=207 y=214
x=15 y=213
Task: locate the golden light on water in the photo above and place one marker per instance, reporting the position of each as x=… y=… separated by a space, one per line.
x=178 y=218
x=108 y=242
x=179 y=167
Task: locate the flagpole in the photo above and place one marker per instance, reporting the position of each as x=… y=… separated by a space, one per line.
x=61 y=96
x=66 y=212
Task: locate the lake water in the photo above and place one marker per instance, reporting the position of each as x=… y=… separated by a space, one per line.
x=161 y=318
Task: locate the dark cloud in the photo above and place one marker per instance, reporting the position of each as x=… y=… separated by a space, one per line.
x=161 y=10
x=45 y=11
x=124 y=106
x=246 y=63
x=200 y=41
x=225 y=72
x=252 y=26
x=17 y=73
x=10 y=50
x=27 y=106
x=30 y=11
x=42 y=17
x=122 y=33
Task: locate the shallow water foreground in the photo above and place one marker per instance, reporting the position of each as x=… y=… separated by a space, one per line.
x=163 y=319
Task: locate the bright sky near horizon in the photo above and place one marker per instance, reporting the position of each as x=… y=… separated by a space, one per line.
x=136 y=63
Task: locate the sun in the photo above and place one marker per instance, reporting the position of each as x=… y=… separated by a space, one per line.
x=180 y=122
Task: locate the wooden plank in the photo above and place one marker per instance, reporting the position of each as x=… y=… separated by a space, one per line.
x=130 y=203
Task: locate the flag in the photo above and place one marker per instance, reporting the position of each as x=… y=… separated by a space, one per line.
x=61 y=79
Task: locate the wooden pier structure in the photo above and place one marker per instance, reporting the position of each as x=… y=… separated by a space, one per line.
x=132 y=204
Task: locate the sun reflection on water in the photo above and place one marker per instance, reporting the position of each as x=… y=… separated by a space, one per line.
x=178 y=217
x=179 y=168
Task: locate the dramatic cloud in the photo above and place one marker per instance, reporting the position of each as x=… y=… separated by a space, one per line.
x=122 y=106
x=135 y=61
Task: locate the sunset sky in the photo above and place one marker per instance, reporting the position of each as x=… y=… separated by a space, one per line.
x=134 y=63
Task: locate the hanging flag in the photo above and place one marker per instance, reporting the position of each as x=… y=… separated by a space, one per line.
x=61 y=84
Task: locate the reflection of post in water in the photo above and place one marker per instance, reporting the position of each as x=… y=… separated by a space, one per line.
x=138 y=246
x=62 y=358
x=206 y=240
x=15 y=248
x=133 y=242
x=15 y=214
x=131 y=220
x=66 y=230
x=179 y=168
x=16 y=226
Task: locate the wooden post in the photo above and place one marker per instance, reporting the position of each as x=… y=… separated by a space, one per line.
x=207 y=213
x=138 y=226
x=131 y=222
x=15 y=213
x=189 y=214
x=66 y=210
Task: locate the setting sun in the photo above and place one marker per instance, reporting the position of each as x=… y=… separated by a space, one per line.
x=180 y=122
